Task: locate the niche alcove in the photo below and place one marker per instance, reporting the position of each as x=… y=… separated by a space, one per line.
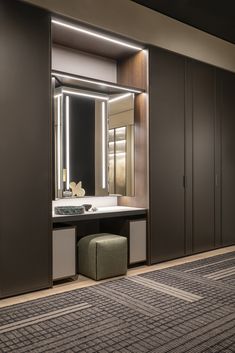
x=103 y=79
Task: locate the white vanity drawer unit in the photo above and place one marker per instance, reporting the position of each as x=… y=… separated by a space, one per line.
x=137 y=241
x=64 y=253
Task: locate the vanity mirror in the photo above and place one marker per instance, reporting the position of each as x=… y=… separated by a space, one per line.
x=94 y=142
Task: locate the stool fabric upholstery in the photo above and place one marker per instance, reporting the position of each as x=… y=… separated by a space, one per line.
x=102 y=256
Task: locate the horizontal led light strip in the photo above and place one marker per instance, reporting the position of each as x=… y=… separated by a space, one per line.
x=97 y=83
x=95 y=34
x=85 y=95
x=117 y=154
x=120 y=97
x=120 y=141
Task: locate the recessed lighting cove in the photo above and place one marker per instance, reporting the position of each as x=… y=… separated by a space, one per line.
x=97 y=35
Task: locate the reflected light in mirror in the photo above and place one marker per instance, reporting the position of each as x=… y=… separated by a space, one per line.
x=120 y=141
x=58 y=139
x=85 y=94
x=103 y=146
x=118 y=154
x=58 y=95
x=67 y=142
x=120 y=130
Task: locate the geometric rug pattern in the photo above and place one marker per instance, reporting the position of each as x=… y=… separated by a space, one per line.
x=186 y=308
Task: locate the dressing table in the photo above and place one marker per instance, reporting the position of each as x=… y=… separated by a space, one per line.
x=126 y=221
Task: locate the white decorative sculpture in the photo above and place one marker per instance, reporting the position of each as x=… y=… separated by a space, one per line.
x=77 y=189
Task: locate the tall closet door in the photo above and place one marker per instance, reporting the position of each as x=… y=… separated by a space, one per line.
x=226 y=113
x=25 y=149
x=167 y=105
x=202 y=193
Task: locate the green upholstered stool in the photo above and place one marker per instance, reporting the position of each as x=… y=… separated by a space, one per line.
x=102 y=256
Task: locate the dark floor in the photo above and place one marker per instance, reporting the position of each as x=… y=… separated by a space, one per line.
x=186 y=308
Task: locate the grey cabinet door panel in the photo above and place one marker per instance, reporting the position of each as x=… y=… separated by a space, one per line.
x=226 y=111
x=203 y=156
x=167 y=105
x=192 y=124
x=25 y=145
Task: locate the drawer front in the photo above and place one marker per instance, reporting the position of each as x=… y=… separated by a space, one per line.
x=137 y=241
x=64 y=253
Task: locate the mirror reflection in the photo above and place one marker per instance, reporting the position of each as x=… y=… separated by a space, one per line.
x=121 y=145
x=94 y=143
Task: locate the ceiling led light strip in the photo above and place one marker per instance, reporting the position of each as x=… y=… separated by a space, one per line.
x=97 y=35
x=96 y=83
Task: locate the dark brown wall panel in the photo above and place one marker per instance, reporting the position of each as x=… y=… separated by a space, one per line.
x=132 y=71
x=203 y=158
x=226 y=112
x=25 y=178
x=167 y=107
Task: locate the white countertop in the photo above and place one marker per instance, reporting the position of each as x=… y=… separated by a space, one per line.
x=107 y=209
x=116 y=209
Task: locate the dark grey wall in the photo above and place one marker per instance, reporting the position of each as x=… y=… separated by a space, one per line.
x=25 y=149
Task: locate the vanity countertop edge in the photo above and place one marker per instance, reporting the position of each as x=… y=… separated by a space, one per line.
x=102 y=212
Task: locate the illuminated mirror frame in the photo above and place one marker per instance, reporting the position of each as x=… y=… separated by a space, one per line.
x=62 y=96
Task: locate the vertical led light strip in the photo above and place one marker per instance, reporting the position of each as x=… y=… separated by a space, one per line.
x=103 y=145
x=67 y=142
x=58 y=141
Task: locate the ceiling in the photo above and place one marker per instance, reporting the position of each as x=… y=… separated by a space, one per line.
x=211 y=16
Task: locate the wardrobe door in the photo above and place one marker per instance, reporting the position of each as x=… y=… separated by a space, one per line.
x=167 y=105
x=203 y=156
x=25 y=178
x=226 y=112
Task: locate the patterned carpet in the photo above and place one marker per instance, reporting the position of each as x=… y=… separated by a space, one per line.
x=186 y=308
